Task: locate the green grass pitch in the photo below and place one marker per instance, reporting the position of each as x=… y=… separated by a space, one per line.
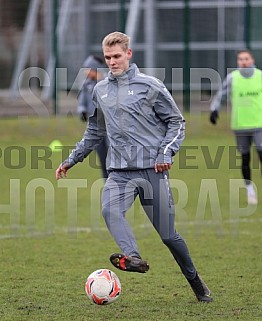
x=52 y=235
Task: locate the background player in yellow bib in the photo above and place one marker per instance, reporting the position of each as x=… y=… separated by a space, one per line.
x=244 y=86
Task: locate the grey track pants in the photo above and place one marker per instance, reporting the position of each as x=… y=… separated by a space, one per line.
x=120 y=191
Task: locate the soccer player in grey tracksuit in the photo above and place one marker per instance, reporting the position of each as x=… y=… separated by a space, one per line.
x=145 y=129
x=86 y=107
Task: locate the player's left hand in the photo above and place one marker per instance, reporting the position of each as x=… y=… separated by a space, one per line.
x=162 y=167
x=83 y=116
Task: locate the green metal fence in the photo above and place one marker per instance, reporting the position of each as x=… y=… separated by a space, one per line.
x=165 y=34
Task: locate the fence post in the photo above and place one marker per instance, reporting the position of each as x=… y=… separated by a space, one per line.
x=55 y=54
x=186 y=59
x=122 y=15
x=247 y=24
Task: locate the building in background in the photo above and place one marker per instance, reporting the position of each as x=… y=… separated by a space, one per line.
x=165 y=34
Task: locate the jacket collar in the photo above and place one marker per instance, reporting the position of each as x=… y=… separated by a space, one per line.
x=130 y=73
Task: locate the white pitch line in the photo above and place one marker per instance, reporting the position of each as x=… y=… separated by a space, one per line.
x=23 y=233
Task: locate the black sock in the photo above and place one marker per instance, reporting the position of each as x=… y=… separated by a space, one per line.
x=260 y=158
x=246 y=172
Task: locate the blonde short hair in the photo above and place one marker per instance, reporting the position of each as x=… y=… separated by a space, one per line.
x=116 y=38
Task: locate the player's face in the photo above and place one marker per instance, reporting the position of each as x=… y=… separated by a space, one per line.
x=117 y=59
x=245 y=60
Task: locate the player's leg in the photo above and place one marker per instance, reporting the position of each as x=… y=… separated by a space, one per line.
x=244 y=142
x=116 y=200
x=157 y=200
x=260 y=157
x=245 y=167
x=258 y=144
x=118 y=196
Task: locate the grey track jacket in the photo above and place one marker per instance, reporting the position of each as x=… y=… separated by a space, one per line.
x=141 y=119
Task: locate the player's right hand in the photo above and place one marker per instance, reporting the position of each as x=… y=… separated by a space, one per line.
x=61 y=171
x=162 y=167
x=213 y=117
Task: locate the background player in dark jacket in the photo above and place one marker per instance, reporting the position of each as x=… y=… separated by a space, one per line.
x=93 y=70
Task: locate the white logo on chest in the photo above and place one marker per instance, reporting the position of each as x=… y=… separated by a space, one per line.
x=130 y=92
